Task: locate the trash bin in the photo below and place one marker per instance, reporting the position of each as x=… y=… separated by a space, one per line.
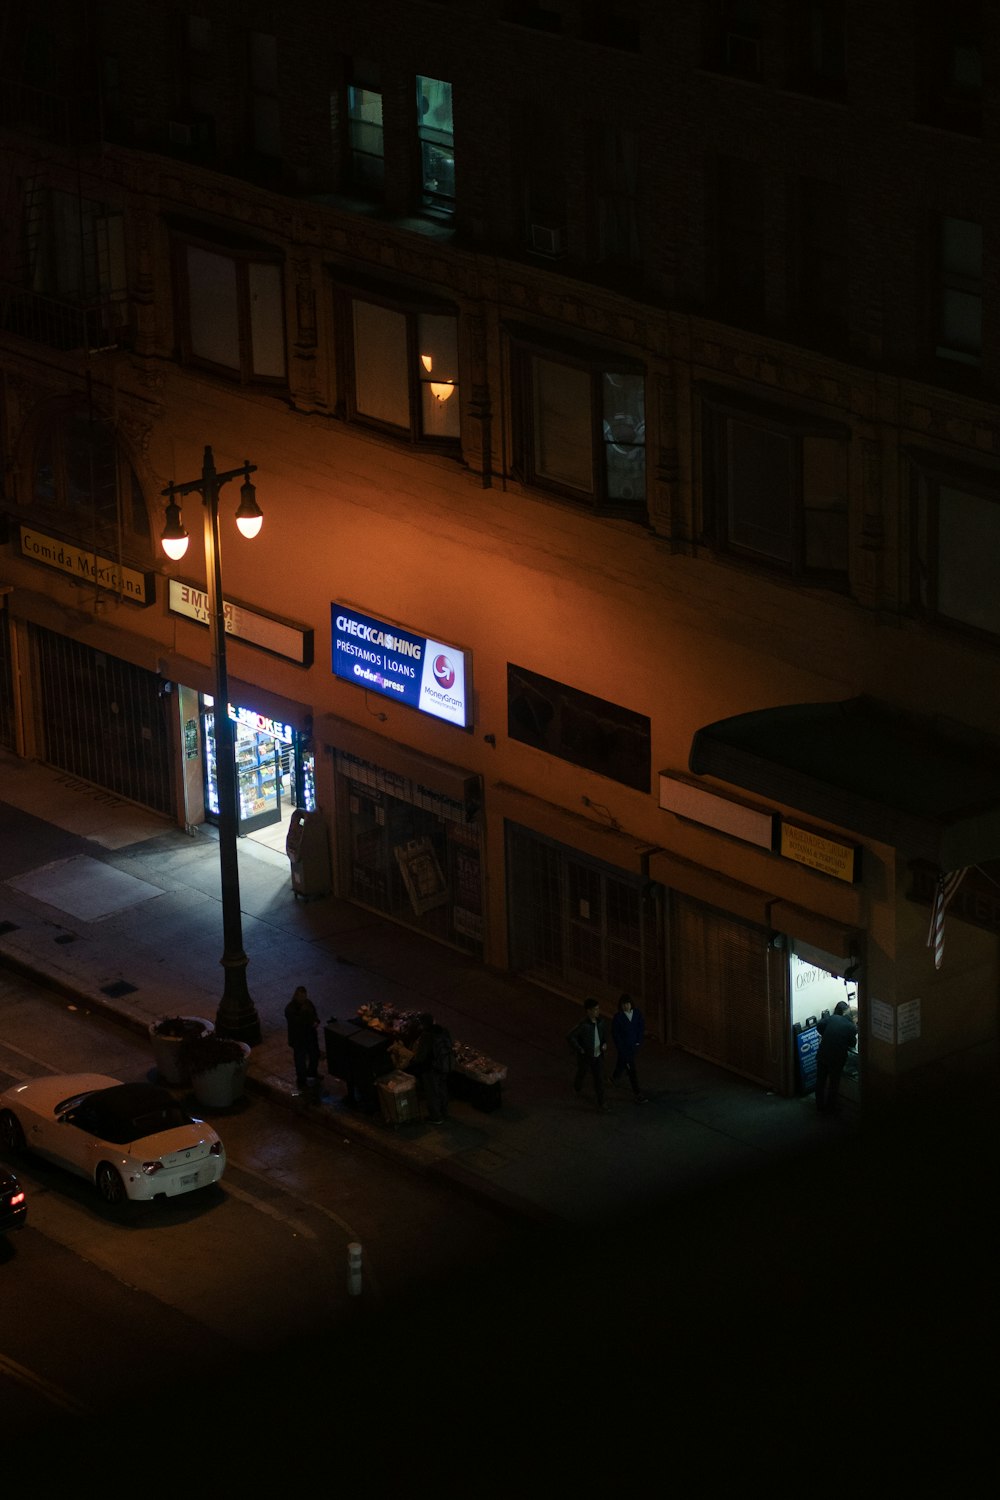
x=308 y=851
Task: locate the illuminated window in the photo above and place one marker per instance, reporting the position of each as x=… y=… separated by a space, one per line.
x=366 y=167
x=436 y=134
x=401 y=367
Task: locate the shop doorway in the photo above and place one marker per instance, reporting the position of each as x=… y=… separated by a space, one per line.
x=275 y=772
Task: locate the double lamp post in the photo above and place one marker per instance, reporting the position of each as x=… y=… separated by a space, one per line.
x=237 y=1016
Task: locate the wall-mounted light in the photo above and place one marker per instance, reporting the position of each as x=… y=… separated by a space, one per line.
x=441 y=390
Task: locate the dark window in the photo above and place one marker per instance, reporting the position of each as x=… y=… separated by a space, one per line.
x=612 y=23
x=958 y=290
x=265 y=112
x=541 y=149
x=733 y=32
x=231 y=309
x=818 y=47
x=577 y=727
x=436 y=135
x=775 y=487
x=538 y=15
x=952 y=65
x=956 y=554
x=581 y=427
x=739 y=238
x=822 y=257
x=615 y=169
x=400 y=366
x=84 y=484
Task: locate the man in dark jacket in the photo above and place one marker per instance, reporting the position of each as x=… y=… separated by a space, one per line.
x=627 y=1031
x=838 y=1035
x=589 y=1039
x=300 y=1014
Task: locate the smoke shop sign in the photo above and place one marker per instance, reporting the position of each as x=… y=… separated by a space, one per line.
x=277 y=636
x=87 y=567
x=412 y=669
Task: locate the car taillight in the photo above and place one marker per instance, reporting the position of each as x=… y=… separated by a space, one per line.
x=16 y=1199
x=149 y=1167
x=215 y=1149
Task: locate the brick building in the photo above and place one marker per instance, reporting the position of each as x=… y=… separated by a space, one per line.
x=620 y=387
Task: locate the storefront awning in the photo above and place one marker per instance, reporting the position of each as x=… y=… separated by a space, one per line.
x=929 y=788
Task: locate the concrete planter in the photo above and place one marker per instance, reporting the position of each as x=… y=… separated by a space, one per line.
x=169 y=1037
x=217 y=1079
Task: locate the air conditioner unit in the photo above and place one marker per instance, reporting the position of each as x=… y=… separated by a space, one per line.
x=546 y=241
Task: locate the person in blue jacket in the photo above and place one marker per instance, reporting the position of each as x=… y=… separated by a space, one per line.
x=627 y=1031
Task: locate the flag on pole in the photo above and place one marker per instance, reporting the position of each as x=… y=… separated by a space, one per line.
x=946 y=887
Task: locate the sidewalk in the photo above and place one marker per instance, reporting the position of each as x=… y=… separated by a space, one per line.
x=121 y=911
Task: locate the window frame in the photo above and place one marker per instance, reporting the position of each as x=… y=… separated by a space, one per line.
x=929 y=475
x=244 y=254
x=719 y=407
x=72 y=518
x=525 y=347
x=950 y=280
x=411 y=308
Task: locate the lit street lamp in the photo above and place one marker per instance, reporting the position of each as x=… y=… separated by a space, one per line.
x=236 y=1016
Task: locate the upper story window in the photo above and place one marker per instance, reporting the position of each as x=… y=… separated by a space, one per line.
x=739 y=237
x=436 y=135
x=615 y=166
x=265 y=111
x=818 y=47
x=951 y=88
x=401 y=366
x=822 y=260
x=366 y=166
x=733 y=33
x=231 y=309
x=775 y=486
x=580 y=426
x=191 y=127
x=958 y=290
x=84 y=484
x=956 y=552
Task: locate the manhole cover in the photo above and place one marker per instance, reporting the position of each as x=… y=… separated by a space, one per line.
x=119 y=988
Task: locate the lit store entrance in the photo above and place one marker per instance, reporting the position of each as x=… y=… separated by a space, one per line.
x=275 y=772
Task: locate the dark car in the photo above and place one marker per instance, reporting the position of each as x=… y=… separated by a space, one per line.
x=13 y=1205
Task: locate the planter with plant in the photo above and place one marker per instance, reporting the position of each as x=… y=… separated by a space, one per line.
x=216 y=1066
x=169 y=1037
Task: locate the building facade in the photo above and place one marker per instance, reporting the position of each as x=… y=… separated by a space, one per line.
x=619 y=387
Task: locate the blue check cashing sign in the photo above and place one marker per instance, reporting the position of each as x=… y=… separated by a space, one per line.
x=431 y=676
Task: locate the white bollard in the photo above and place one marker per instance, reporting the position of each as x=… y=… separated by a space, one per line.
x=354 y=1269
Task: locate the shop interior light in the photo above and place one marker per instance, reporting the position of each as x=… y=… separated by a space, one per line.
x=174 y=539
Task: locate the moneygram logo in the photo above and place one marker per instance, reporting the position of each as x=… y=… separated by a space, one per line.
x=444 y=672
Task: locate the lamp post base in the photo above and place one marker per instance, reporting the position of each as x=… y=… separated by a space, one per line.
x=237 y=1015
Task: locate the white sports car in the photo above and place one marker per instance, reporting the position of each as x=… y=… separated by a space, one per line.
x=131 y=1139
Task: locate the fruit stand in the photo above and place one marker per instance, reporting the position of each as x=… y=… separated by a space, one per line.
x=474 y=1077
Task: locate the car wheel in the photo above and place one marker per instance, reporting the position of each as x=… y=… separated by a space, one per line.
x=109 y=1184
x=11 y=1134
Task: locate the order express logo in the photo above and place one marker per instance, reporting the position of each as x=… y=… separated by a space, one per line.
x=444 y=672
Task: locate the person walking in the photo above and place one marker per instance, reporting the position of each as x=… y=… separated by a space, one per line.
x=627 y=1031
x=838 y=1036
x=589 y=1039
x=302 y=1020
x=432 y=1058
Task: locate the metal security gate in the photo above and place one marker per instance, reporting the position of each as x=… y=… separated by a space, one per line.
x=579 y=926
x=726 y=1007
x=103 y=719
